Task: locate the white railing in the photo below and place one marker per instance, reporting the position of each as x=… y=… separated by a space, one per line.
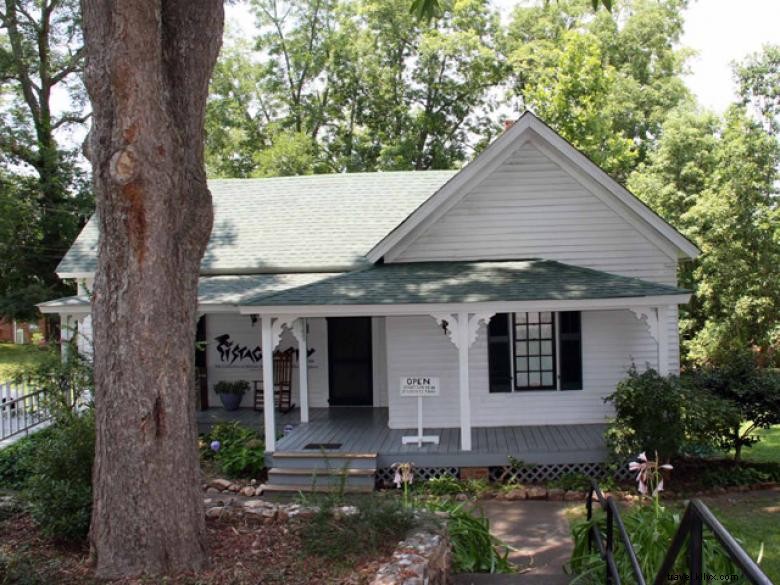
x=22 y=407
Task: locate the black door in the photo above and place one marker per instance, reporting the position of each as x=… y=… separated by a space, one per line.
x=349 y=361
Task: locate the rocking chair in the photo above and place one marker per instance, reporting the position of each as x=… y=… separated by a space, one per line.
x=283 y=365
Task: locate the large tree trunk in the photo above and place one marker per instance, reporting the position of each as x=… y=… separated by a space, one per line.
x=147 y=73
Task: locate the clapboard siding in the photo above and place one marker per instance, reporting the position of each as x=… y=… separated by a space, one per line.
x=612 y=341
x=532 y=208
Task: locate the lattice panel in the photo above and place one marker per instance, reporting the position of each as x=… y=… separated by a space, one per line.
x=386 y=474
x=546 y=472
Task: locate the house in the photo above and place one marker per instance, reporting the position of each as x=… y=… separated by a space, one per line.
x=513 y=294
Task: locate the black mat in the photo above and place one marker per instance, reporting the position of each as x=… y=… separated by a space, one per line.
x=320 y=446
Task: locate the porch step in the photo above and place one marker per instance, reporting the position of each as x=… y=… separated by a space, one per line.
x=321 y=471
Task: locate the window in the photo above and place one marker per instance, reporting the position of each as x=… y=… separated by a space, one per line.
x=539 y=350
x=534 y=350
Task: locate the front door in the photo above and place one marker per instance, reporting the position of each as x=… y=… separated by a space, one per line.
x=349 y=361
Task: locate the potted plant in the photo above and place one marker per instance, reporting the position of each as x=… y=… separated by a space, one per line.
x=231 y=393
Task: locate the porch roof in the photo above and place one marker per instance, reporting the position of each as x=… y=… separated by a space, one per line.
x=420 y=283
x=212 y=290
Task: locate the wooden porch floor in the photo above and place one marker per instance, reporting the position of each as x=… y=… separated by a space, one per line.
x=365 y=430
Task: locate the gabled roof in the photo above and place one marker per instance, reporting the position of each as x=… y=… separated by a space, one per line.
x=292 y=224
x=415 y=283
x=212 y=290
x=529 y=127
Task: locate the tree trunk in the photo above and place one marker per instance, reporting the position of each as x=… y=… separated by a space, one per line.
x=147 y=73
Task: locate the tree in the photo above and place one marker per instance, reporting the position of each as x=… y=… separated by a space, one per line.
x=40 y=55
x=147 y=71
x=758 y=79
x=605 y=82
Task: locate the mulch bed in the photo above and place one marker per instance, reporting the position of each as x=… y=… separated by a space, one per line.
x=239 y=555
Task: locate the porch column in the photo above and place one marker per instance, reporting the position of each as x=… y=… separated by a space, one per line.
x=266 y=346
x=66 y=335
x=662 y=314
x=299 y=331
x=462 y=329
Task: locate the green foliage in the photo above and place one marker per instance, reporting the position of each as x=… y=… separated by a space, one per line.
x=752 y=396
x=474 y=548
x=241 y=452
x=651 y=529
x=59 y=488
x=379 y=521
x=743 y=474
x=444 y=485
x=648 y=416
x=16 y=460
x=573 y=481
x=758 y=78
x=240 y=387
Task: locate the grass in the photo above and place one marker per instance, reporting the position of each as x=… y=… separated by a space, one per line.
x=767 y=449
x=755 y=520
x=14 y=358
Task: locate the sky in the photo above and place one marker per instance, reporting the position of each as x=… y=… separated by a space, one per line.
x=720 y=31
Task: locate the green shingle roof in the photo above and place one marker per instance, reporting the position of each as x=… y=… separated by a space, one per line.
x=294 y=224
x=465 y=282
x=221 y=290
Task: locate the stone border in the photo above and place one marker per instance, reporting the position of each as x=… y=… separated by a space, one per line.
x=423 y=557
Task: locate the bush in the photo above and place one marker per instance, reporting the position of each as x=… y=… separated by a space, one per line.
x=750 y=397
x=651 y=529
x=379 y=521
x=241 y=451
x=59 y=488
x=16 y=459
x=240 y=387
x=648 y=416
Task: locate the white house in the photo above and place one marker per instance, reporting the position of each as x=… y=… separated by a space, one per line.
x=521 y=288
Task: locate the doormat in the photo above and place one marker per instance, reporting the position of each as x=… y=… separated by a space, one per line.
x=321 y=446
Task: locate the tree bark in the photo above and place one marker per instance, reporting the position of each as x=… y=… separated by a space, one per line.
x=147 y=72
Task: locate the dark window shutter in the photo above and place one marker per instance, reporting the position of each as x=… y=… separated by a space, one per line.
x=499 y=363
x=571 y=350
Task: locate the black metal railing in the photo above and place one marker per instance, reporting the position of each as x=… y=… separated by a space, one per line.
x=690 y=532
x=606 y=547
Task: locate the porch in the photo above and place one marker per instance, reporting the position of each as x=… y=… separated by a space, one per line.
x=365 y=430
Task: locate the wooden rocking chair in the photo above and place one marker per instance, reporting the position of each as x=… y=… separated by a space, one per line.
x=283 y=366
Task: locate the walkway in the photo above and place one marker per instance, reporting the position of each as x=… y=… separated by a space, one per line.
x=539 y=533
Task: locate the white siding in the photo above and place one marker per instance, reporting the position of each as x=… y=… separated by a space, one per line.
x=242 y=331
x=611 y=340
x=530 y=207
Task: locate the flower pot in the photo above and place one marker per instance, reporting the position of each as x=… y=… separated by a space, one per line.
x=231 y=401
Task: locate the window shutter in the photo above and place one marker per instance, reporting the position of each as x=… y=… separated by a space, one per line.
x=499 y=352
x=571 y=350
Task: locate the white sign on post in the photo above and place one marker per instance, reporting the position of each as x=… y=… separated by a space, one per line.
x=420 y=387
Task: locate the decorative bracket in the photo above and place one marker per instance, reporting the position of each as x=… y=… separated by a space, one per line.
x=474 y=321
x=449 y=321
x=299 y=331
x=649 y=316
x=454 y=324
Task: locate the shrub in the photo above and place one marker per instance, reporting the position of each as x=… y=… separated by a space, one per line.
x=444 y=485
x=379 y=521
x=59 y=488
x=240 y=387
x=750 y=397
x=648 y=414
x=241 y=451
x=572 y=481
x=16 y=459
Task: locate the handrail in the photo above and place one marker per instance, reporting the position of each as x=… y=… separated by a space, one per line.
x=606 y=550
x=695 y=518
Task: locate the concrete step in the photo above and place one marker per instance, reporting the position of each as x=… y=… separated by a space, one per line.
x=316 y=476
x=288 y=488
x=326 y=460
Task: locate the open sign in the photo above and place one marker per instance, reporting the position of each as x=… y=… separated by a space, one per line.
x=419 y=386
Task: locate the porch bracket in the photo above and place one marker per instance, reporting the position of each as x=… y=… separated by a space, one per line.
x=649 y=316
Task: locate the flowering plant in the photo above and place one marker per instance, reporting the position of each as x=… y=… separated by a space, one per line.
x=404 y=477
x=648 y=474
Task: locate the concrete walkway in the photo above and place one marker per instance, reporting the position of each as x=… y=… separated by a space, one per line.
x=539 y=533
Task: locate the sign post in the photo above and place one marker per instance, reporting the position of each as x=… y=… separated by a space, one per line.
x=421 y=387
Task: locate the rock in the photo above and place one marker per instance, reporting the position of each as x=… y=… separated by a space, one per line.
x=253 y=482
x=574 y=496
x=344 y=512
x=219 y=484
x=259 y=491
x=461 y=497
x=555 y=494
x=515 y=494
x=234 y=487
x=215 y=512
x=247 y=491
x=536 y=493
x=213 y=490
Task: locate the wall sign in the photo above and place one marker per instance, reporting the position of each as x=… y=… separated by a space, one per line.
x=419 y=386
